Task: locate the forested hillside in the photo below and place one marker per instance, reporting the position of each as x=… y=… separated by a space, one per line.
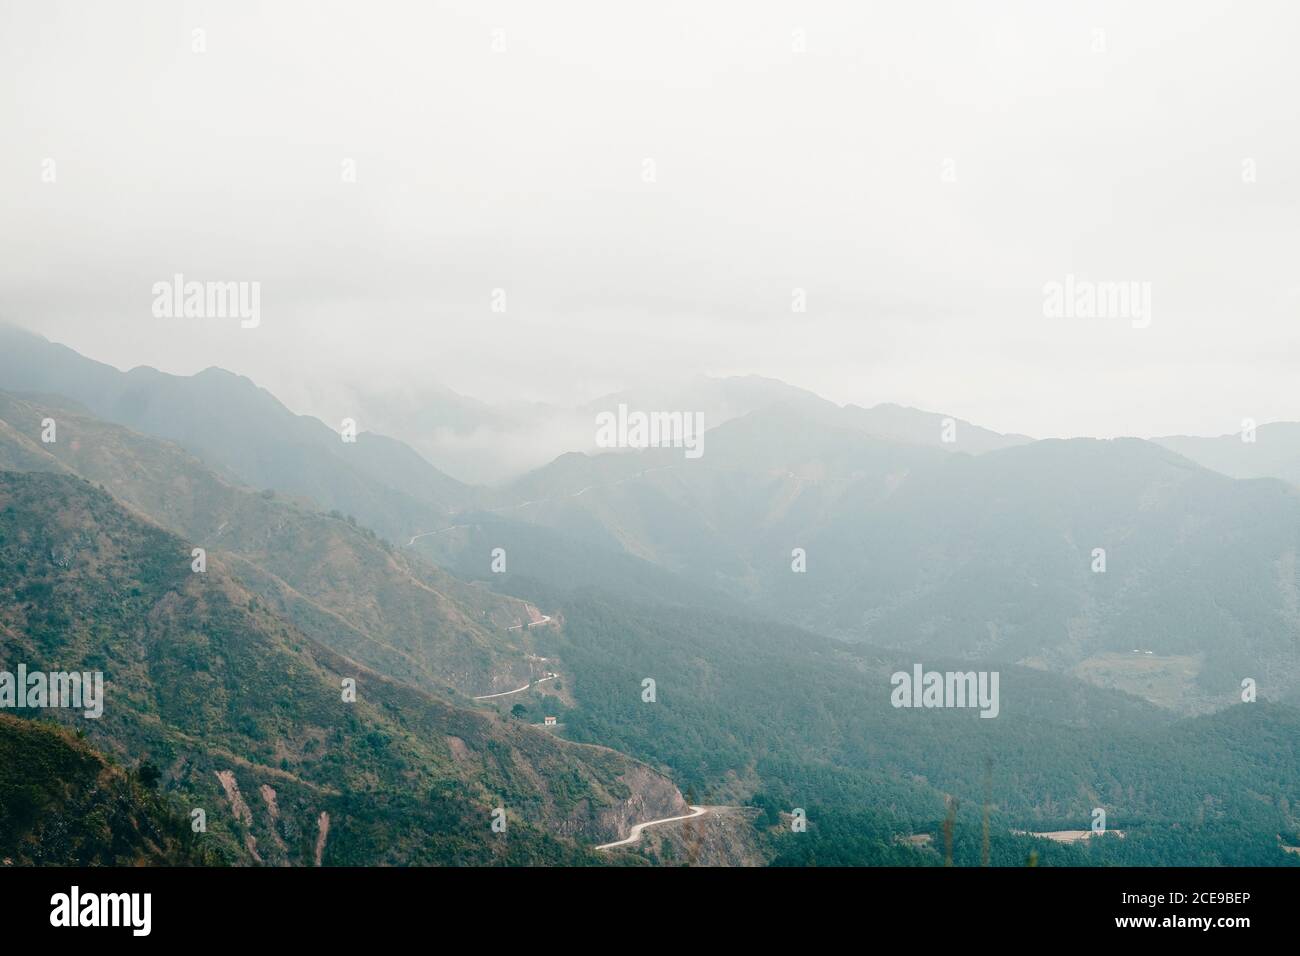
x=63 y=804
x=1067 y=555
x=339 y=582
x=760 y=713
x=227 y=682
x=245 y=716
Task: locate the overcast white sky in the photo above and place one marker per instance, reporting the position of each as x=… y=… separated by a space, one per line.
x=821 y=170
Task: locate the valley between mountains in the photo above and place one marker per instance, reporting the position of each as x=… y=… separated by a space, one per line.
x=503 y=716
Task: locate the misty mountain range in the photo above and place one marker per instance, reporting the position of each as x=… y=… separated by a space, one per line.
x=916 y=542
x=925 y=539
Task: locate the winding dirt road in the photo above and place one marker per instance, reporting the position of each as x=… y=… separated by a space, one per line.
x=517 y=690
x=635 y=835
x=544 y=619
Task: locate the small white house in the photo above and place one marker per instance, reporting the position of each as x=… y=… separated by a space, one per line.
x=550 y=721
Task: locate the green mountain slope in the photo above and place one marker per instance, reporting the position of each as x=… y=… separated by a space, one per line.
x=343 y=586
x=748 y=711
x=63 y=804
x=244 y=715
x=955 y=554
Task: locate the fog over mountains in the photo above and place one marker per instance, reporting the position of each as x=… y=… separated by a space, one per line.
x=925 y=532
x=769 y=588
x=919 y=173
x=728 y=434
x=610 y=436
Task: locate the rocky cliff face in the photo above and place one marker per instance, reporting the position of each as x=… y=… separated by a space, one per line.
x=725 y=836
x=652 y=797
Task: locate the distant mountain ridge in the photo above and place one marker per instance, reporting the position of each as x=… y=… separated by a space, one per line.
x=1273 y=451
x=907 y=545
x=496 y=443
x=902 y=549
x=917 y=427
x=245 y=432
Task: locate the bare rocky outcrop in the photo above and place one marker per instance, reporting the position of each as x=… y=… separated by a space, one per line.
x=273 y=811
x=268 y=797
x=239 y=808
x=725 y=836
x=323 y=832
x=237 y=804
x=653 y=797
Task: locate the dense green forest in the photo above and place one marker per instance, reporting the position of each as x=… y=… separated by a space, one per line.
x=757 y=713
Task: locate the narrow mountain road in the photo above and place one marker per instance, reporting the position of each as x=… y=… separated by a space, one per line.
x=425 y=534
x=505 y=693
x=637 y=828
x=517 y=690
x=545 y=619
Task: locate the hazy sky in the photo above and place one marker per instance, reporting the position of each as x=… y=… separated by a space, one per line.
x=921 y=170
